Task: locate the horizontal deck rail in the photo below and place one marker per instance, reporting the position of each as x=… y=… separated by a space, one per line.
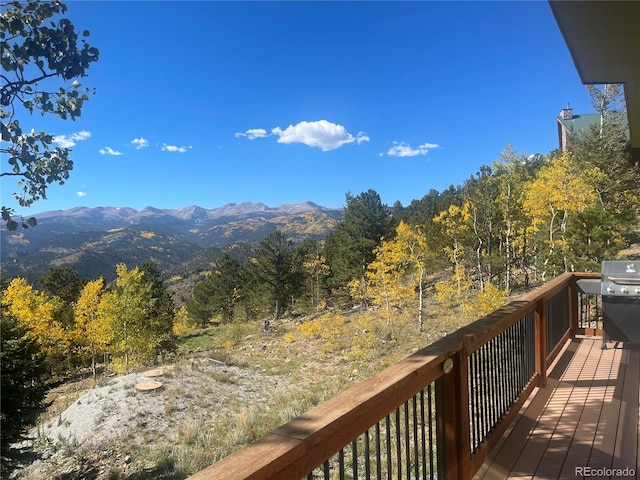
x=436 y=414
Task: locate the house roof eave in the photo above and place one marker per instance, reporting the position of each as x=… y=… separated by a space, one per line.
x=604 y=42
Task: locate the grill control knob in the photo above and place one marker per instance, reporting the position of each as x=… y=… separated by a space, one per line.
x=637 y=291
x=610 y=289
x=624 y=290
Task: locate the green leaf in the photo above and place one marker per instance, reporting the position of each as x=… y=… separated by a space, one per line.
x=16 y=25
x=6 y=214
x=12 y=226
x=32 y=221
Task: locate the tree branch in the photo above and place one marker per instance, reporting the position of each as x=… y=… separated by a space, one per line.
x=13 y=88
x=12 y=174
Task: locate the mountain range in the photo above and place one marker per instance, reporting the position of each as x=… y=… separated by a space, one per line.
x=100 y=218
x=182 y=241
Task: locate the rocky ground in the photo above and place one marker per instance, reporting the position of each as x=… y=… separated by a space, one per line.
x=114 y=419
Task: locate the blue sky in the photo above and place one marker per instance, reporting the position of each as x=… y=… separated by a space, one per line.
x=207 y=103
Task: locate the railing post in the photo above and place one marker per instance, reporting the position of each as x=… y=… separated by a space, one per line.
x=452 y=396
x=541 y=342
x=573 y=306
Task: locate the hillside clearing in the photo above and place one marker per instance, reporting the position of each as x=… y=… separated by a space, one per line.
x=228 y=386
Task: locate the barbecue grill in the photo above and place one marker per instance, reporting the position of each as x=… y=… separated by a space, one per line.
x=620 y=290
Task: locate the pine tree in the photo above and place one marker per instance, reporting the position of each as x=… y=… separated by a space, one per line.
x=349 y=249
x=279 y=267
x=219 y=293
x=161 y=313
x=23 y=389
x=199 y=305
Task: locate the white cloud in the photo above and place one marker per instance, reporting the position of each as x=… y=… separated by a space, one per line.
x=66 y=142
x=174 y=148
x=253 y=133
x=321 y=134
x=81 y=194
x=109 y=151
x=402 y=149
x=140 y=143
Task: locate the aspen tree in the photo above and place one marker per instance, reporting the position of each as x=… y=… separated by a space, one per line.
x=34 y=311
x=92 y=333
x=559 y=191
x=455 y=224
x=125 y=310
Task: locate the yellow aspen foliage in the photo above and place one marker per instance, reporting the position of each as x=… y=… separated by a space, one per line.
x=332 y=327
x=310 y=329
x=454 y=291
x=455 y=222
x=35 y=312
x=329 y=326
x=394 y=279
x=388 y=285
x=182 y=323
x=317 y=268
x=559 y=191
x=359 y=289
x=289 y=337
x=92 y=333
x=413 y=242
x=486 y=301
x=126 y=311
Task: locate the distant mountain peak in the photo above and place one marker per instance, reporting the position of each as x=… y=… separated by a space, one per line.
x=193 y=213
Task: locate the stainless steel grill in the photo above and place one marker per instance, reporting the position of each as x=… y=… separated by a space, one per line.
x=620 y=290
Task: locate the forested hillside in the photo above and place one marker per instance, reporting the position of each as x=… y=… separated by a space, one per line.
x=93 y=240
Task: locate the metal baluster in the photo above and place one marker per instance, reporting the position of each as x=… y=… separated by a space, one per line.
x=378 y=453
x=407 y=439
x=472 y=402
x=416 y=449
x=354 y=457
x=367 y=456
x=511 y=386
x=388 y=439
x=496 y=377
x=423 y=436
x=431 y=436
x=485 y=400
x=398 y=443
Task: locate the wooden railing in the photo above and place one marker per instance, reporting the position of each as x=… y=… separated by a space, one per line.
x=436 y=414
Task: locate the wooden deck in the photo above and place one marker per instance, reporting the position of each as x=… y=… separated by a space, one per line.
x=586 y=419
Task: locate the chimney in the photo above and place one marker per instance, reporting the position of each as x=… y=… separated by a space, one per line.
x=566 y=113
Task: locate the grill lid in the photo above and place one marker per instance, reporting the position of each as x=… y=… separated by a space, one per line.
x=620 y=278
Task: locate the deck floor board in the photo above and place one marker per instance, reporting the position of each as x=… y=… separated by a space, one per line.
x=586 y=417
